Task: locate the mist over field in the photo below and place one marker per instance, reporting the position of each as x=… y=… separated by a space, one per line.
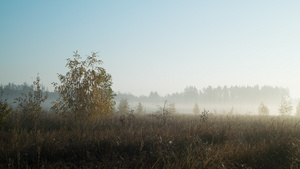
x=220 y=100
x=149 y=84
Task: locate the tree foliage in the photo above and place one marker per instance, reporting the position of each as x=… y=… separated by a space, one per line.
x=196 y=109
x=5 y=109
x=85 y=89
x=123 y=106
x=30 y=104
x=233 y=95
x=286 y=107
x=263 y=110
x=140 y=109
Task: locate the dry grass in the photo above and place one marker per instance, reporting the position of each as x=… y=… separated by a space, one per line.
x=184 y=141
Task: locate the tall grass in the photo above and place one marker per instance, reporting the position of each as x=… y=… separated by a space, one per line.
x=183 y=141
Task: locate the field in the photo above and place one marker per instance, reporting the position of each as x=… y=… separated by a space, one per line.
x=145 y=141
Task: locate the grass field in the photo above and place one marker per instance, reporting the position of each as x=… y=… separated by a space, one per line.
x=182 y=141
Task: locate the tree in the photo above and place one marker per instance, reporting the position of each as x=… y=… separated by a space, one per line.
x=191 y=93
x=140 y=109
x=123 y=106
x=263 y=110
x=85 y=90
x=5 y=109
x=30 y=104
x=196 y=109
x=286 y=106
x=154 y=97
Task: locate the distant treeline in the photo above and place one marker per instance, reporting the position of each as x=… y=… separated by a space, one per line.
x=220 y=95
x=12 y=91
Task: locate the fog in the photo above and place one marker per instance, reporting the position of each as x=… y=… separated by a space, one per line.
x=220 y=100
x=149 y=84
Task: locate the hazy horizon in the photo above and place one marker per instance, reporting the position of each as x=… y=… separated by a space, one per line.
x=155 y=46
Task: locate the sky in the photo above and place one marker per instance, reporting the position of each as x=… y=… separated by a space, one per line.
x=161 y=46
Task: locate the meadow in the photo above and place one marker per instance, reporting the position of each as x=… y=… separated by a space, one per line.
x=150 y=141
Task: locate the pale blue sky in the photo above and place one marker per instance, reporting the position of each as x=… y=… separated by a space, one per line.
x=160 y=46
